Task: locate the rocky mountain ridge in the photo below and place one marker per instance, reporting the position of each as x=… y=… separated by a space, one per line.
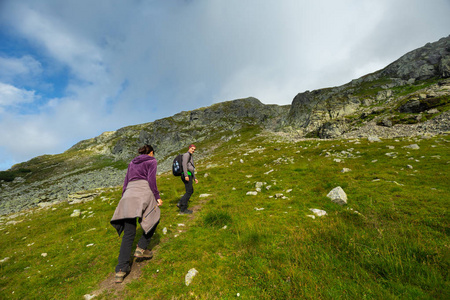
x=409 y=97
x=385 y=92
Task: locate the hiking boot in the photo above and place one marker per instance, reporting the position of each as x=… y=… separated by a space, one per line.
x=120 y=276
x=141 y=253
x=186 y=212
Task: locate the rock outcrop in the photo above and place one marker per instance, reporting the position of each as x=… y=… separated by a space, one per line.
x=327 y=113
x=431 y=60
x=173 y=134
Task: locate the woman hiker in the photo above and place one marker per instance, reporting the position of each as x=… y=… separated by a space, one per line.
x=187 y=177
x=140 y=199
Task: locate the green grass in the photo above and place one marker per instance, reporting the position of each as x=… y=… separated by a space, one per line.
x=395 y=247
x=10 y=175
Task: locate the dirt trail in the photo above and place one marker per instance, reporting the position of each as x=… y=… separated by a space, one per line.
x=115 y=289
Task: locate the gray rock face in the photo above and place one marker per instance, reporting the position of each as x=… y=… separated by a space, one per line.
x=323 y=112
x=332 y=129
x=310 y=110
x=175 y=133
x=426 y=62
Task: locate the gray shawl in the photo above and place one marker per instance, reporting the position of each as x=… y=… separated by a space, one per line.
x=137 y=201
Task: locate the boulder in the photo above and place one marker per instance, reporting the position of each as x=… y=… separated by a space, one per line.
x=385 y=122
x=337 y=195
x=412 y=146
x=76 y=213
x=318 y=212
x=373 y=139
x=444 y=67
x=190 y=275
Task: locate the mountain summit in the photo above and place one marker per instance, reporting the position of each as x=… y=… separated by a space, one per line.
x=411 y=96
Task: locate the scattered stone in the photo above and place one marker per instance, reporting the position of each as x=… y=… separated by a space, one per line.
x=262 y=208
x=356 y=212
x=373 y=138
x=396 y=183
x=46 y=204
x=270 y=171
x=409 y=166
x=259 y=184
x=44 y=254
x=204 y=195
x=337 y=160
x=13 y=216
x=164 y=230
x=81 y=197
x=4 y=260
x=89 y=297
x=190 y=275
x=252 y=193
x=392 y=154
x=89 y=245
x=318 y=212
x=433 y=111
x=225 y=227
x=413 y=146
x=386 y=122
x=241 y=161
x=279 y=195
x=18 y=180
x=289 y=190
x=311 y=216
x=337 y=195
x=76 y=213
x=13 y=222
x=345 y=170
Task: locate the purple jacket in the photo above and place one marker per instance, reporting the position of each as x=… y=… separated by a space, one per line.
x=143 y=167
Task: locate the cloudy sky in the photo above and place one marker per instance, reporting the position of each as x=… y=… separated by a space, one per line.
x=70 y=70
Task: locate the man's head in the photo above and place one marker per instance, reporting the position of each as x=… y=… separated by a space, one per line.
x=192 y=148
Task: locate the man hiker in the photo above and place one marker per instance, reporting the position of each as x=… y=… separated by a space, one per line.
x=188 y=176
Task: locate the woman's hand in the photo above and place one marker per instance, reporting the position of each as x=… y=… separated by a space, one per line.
x=196 y=181
x=159 y=201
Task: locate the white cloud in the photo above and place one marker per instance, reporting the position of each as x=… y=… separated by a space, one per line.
x=12 y=96
x=12 y=67
x=51 y=31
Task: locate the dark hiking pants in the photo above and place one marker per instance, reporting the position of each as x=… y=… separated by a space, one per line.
x=189 y=191
x=129 y=234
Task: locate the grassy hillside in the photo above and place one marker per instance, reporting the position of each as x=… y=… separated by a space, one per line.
x=390 y=241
